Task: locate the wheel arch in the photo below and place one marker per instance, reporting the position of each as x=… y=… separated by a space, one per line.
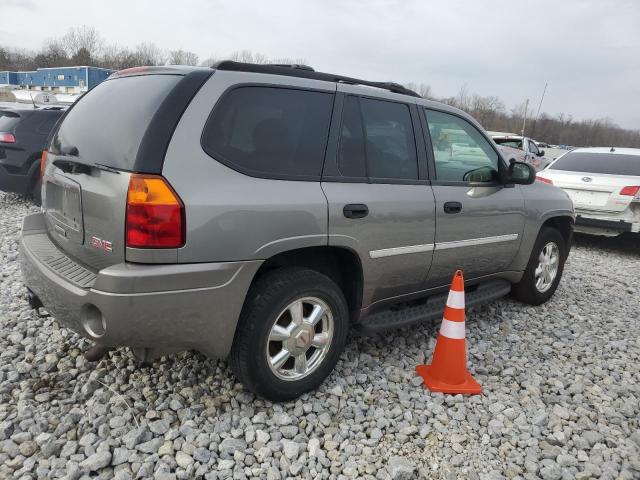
x=564 y=224
x=340 y=264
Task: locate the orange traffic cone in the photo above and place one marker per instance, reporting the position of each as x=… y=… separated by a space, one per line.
x=448 y=370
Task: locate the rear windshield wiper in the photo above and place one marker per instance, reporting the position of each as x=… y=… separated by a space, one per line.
x=74 y=166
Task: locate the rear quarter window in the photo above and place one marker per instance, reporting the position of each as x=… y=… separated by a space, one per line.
x=600 y=163
x=8 y=121
x=270 y=132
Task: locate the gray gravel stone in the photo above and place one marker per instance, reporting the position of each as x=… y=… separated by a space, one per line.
x=96 y=461
x=401 y=468
x=183 y=460
x=159 y=427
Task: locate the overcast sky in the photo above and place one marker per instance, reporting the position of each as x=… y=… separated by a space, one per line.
x=587 y=50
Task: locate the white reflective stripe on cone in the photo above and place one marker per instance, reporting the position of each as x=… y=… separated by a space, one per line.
x=454 y=330
x=456 y=299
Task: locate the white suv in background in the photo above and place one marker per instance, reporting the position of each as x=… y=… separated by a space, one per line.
x=604 y=184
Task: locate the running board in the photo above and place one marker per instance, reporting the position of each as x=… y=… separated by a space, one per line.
x=432 y=308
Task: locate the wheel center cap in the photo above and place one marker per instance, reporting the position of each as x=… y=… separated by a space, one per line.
x=302 y=338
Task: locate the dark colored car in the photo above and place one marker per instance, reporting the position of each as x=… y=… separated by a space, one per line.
x=23 y=136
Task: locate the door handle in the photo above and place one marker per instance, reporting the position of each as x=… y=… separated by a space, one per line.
x=452 y=207
x=355 y=210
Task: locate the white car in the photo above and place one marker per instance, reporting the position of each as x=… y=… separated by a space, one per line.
x=515 y=147
x=604 y=184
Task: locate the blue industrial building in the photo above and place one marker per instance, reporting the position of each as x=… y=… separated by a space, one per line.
x=57 y=79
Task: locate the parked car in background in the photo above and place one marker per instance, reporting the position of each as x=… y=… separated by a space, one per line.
x=256 y=212
x=23 y=136
x=522 y=149
x=604 y=184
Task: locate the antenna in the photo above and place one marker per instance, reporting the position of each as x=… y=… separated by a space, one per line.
x=524 y=120
x=539 y=106
x=32 y=101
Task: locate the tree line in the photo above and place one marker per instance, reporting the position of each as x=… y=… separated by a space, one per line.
x=85 y=46
x=559 y=129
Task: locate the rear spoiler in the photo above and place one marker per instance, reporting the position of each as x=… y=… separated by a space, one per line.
x=158 y=70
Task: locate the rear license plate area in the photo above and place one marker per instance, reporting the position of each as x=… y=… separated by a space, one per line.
x=588 y=198
x=64 y=208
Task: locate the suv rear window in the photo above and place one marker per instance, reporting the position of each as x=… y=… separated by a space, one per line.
x=8 y=120
x=270 y=132
x=107 y=124
x=605 y=163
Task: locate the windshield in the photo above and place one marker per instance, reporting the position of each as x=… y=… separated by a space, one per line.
x=107 y=124
x=604 y=163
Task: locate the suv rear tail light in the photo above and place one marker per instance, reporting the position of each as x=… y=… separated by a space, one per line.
x=7 y=137
x=544 y=180
x=155 y=214
x=43 y=161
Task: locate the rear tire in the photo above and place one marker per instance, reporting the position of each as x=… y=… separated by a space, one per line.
x=36 y=191
x=279 y=352
x=544 y=270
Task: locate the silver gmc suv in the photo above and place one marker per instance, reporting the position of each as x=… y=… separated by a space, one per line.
x=257 y=212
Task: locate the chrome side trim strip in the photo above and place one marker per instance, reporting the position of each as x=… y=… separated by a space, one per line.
x=428 y=247
x=476 y=241
x=388 y=252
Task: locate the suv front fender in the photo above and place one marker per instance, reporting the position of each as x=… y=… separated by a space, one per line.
x=545 y=205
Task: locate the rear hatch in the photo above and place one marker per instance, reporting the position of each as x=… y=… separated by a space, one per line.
x=112 y=131
x=603 y=182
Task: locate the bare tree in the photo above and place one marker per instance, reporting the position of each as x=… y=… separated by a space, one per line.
x=149 y=54
x=82 y=38
x=462 y=99
x=182 y=57
x=248 y=56
x=209 y=61
x=53 y=54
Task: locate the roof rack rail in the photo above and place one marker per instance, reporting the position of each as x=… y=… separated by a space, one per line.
x=304 y=71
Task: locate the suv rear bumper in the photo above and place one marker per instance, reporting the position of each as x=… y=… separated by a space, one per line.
x=162 y=307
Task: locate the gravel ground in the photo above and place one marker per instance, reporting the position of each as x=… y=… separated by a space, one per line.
x=561 y=395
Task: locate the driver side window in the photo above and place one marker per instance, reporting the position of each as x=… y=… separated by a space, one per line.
x=533 y=148
x=460 y=151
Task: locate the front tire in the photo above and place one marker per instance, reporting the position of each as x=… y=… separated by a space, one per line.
x=544 y=270
x=292 y=330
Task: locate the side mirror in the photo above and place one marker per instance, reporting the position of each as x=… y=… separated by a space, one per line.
x=541 y=153
x=521 y=173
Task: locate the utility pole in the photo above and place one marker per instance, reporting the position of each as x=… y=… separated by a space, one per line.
x=524 y=120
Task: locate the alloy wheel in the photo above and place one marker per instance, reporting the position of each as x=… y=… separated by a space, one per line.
x=300 y=338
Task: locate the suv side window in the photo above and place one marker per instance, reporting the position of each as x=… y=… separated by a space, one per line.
x=270 y=132
x=351 y=150
x=533 y=148
x=460 y=151
x=377 y=140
